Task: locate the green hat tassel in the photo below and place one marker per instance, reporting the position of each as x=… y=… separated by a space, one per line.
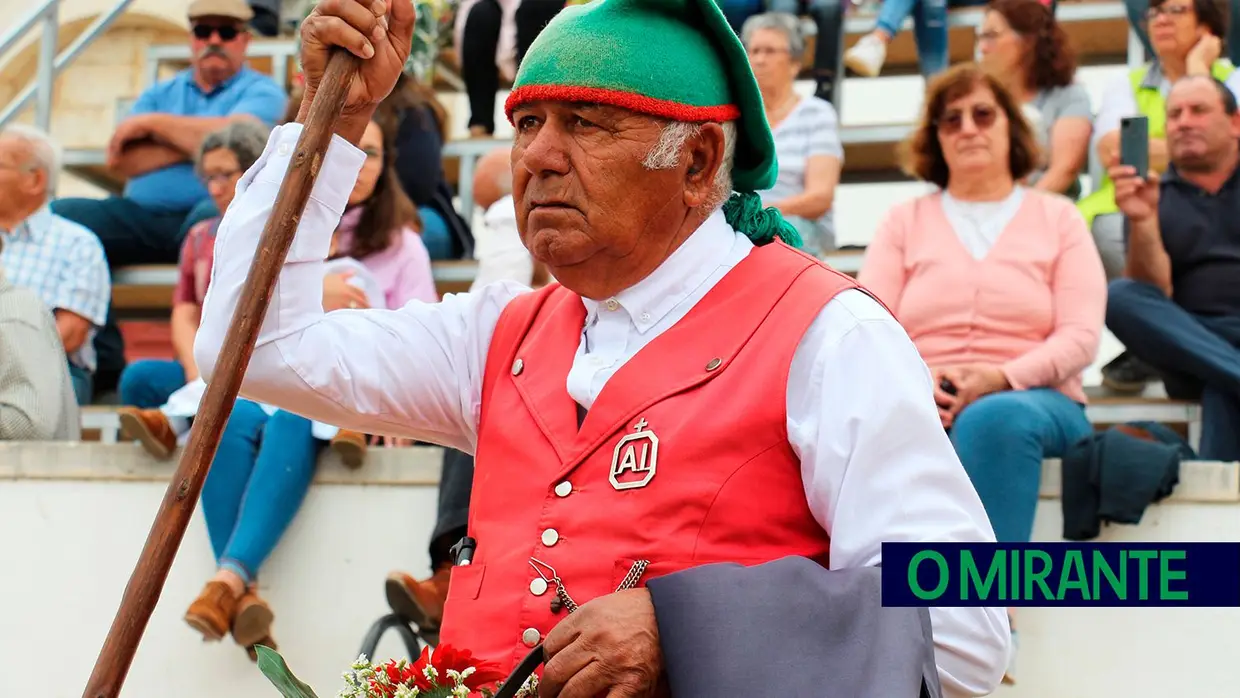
x=745 y=212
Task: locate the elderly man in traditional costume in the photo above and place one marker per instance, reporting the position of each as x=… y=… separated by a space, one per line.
x=691 y=448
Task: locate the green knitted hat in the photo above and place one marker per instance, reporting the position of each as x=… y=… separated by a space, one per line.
x=673 y=59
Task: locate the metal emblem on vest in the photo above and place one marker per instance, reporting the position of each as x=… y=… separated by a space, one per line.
x=634 y=460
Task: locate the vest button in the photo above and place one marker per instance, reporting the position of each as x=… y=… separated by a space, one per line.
x=517 y=366
x=713 y=364
x=538 y=586
x=564 y=489
x=550 y=537
x=530 y=637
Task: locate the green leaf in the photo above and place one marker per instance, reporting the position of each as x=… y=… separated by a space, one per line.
x=276 y=670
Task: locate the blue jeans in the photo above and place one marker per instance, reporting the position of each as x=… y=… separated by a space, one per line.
x=149 y=383
x=929 y=28
x=258 y=480
x=435 y=233
x=83 y=383
x=1197 y=355
x=1002 y=439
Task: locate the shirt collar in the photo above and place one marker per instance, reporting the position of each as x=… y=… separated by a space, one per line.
x=651 y=299
x=38 y=221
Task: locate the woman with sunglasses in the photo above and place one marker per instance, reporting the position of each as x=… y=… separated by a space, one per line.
x=1021 y=44
x=1001 y=289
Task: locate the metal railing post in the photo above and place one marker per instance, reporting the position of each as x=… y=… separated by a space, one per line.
x=47 y=67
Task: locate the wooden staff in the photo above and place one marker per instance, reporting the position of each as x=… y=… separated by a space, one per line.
x=147 y=581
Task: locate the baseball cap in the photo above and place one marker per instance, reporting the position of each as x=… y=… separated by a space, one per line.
x=236 y=9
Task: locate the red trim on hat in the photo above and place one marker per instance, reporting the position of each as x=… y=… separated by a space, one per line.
x=641 y=104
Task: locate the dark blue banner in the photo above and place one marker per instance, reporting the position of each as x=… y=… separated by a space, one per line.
x=1061 y=574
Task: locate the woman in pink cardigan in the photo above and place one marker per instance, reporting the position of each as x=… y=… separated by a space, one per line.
x=1000 y=287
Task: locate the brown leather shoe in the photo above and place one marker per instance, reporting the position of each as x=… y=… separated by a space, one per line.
x=420 y=602
x=212 y=612
x=252 y=620
x=351 y=446
x=268 y=642
x=150 y=427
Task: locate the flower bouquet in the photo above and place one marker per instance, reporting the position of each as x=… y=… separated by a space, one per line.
x=444 y=672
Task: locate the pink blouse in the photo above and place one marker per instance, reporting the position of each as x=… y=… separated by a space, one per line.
x=1035 y=304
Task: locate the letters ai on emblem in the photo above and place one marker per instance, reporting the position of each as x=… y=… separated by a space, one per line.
x=634 y=461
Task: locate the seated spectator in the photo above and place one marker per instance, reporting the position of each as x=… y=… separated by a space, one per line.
x=828 y=16
x=806 y=131
x=867 y=56
x=1000 y=288
x=59 y=260
x=500 y=252
x=155 y=147
x=1178 y=307
x=267 y=457
x=1187 y=37
x=1021 y=44
x=420 y=125
x=225 y=156
x=1138 y=22
x=738 y=11
x=36 y=395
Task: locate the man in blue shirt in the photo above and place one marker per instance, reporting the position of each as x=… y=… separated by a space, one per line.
x=156 y=145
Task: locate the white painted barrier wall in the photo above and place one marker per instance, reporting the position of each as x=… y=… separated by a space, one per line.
x=74 y=519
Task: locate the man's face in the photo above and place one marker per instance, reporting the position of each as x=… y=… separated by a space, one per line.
x=586 y=206
x=218 y=45
x=1200 y=134
x=19 y=183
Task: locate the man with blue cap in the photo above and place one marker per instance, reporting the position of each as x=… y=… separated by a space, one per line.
x=691 y=447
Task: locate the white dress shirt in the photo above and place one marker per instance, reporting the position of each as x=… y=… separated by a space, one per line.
x=498 y=247
x=876 y=463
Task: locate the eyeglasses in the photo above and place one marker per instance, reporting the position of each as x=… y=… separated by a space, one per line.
x=226 y=32
x=952 y=120
x=219 y=177
x=1169 y=10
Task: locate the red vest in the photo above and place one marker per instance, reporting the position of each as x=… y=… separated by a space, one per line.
x=682 y=460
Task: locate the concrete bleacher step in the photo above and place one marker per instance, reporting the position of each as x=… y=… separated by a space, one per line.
x=1200 y=481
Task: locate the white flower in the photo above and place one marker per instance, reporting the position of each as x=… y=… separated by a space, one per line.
x=460 y=691
x=406 y=692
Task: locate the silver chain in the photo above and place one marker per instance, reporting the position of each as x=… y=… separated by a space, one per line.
x=630 y=580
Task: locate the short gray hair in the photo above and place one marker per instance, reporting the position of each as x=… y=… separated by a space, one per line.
x=786 y=24
x=45 y=154
x=666 y=154
x=245 y=139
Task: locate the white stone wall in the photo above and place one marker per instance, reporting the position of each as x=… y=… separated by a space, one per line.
x=74 y=518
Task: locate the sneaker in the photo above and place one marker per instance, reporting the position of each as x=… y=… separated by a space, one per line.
x=1128 y=374
x=866 y=57
x=149 y=427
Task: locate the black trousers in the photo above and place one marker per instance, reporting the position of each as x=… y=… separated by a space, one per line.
x=532 y=16
x=452 y=522
x=479 y=40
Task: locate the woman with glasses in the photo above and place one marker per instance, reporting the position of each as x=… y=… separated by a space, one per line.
x=1022 y=45
x=1000 y=288
x=805 y=129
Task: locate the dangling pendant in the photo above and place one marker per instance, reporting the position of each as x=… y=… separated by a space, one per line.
x=556 y=605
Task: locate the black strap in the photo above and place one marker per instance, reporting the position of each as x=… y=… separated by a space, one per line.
x=581 y=414
x=523 y=671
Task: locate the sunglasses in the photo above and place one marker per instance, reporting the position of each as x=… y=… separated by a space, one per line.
x=952 y=120
x=226 y=32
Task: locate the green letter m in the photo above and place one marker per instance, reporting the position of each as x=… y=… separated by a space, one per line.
x=971 y=577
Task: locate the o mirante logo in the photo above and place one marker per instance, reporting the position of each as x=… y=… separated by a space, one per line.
x=1061 y=574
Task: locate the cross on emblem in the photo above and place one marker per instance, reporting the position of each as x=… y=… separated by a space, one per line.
x=635 y=458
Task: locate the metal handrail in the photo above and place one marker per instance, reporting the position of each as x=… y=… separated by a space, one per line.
x=48 y=13
x=50 y=64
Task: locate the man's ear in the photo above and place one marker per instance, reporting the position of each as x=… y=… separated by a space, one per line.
x=705 y=156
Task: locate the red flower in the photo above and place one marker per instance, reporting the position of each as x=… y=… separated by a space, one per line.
x=447 y=658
